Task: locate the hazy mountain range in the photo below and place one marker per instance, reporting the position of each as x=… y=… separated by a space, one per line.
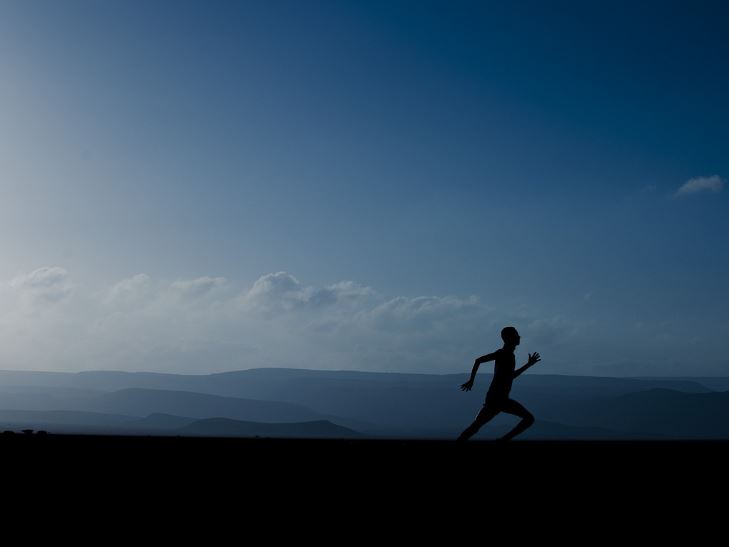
x=327 y=404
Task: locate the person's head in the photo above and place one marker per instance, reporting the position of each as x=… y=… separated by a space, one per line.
x=510 y=336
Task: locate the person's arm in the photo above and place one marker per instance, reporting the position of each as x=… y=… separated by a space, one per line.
x=483 y=359
x=533 y=360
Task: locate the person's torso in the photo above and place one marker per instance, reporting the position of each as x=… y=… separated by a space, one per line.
x=503 y=373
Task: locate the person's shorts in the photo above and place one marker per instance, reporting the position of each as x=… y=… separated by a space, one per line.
x=496 y=399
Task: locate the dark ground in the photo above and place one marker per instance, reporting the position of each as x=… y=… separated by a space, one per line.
x=339 y=461
x=374 y=483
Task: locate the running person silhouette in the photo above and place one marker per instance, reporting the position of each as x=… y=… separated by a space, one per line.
x=497 y=398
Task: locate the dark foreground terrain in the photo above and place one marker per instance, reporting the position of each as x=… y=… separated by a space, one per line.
x=337 y=463
x=313 y=488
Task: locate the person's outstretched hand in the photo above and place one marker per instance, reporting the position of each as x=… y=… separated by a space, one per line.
x=533 y=359
x=467 y=386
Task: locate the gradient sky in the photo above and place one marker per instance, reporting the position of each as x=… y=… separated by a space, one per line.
x=215 y=185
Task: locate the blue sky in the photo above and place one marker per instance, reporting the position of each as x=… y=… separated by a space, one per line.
x=508 y=162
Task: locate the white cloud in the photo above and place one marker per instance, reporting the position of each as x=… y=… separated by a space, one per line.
x=132 y=291
x=44 y=286
x=274 y=293
x=141 y=292
x=42 y=278
x=196 y=288
x=280 y=293
x=344 y=293
x=701 y=184
x=421 y=312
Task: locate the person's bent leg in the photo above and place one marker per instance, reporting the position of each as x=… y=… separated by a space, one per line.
x=486 y=414
x=517 y=409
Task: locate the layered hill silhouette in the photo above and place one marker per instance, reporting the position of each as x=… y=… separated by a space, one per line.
x=662 y=411
x=142 y=402
x=159 y=422
x=373 y=404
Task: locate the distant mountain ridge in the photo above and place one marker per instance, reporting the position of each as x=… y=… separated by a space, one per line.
x=238 y=383
x=374 y=403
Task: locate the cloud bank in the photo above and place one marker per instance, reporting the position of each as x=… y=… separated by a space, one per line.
x=209 y=324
